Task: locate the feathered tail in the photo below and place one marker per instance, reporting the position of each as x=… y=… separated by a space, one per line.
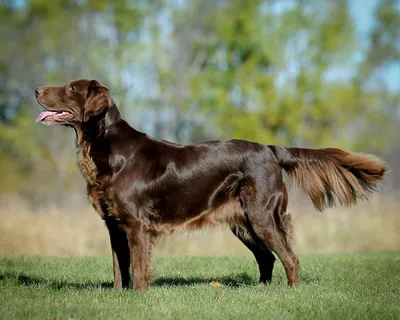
x=327 y=175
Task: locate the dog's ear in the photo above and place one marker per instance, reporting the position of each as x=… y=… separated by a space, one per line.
x=98 y=99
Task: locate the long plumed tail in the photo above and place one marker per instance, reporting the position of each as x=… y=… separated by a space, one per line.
x=330 y=175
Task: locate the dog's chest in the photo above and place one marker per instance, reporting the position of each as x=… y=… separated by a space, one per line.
x=97 y=190
x=98 y=199
x=86 y=163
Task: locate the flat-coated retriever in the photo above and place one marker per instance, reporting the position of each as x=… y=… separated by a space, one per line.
x=144 y=188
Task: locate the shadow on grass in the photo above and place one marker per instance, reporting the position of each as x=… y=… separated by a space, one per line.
x=242 y=279
x=234 y=281
x=27 y=280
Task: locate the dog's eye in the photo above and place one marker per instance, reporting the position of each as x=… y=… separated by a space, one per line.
x=72 y=88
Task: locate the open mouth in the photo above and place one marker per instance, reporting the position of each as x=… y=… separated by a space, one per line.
x=51 y=117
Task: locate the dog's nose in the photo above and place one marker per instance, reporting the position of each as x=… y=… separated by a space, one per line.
x=38 y=91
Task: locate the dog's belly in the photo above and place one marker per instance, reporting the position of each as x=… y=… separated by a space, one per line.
x=230 y=213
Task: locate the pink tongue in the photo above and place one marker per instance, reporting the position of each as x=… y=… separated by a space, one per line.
x=45 y=114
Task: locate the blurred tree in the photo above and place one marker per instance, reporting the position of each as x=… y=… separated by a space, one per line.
x=375 y=90
x=174 y=61
x=266 y=72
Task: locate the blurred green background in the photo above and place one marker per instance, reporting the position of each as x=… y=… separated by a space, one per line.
x=309 y=73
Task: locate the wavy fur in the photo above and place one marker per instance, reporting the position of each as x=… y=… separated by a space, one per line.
x=330 y=175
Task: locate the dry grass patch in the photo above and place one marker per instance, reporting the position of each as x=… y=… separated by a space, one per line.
x=370 y=226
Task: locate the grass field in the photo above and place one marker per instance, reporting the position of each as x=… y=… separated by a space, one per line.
x=340 y=286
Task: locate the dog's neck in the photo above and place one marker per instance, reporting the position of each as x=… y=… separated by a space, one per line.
x=97 y=125
x=90 y=137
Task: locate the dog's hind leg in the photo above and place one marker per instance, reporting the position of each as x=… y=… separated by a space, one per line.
x=265 y=207
x=264 y=256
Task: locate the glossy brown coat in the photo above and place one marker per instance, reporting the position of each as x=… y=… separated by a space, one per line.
x=144 y=188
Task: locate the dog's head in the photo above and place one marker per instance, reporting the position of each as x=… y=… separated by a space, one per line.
x=74 y=103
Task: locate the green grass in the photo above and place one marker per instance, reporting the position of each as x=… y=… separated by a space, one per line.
x=348 y=286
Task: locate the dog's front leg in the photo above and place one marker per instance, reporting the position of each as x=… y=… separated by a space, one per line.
x=139 y=246
x=120 y=254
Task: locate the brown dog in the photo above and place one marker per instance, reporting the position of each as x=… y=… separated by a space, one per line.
x=144 y=188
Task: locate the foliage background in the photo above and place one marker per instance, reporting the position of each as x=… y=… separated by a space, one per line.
x=309 y=73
